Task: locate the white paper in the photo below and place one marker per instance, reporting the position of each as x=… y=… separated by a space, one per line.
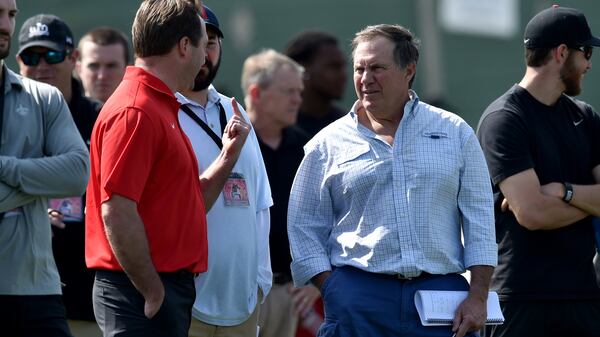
x=437 y=307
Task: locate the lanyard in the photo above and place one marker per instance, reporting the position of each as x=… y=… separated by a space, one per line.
x=222 y=119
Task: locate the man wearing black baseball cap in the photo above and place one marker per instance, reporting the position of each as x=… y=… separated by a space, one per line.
x=543 y=152
x=47 y=54
x=228 y=294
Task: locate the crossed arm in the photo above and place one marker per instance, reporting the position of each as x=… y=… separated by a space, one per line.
x=540 y=207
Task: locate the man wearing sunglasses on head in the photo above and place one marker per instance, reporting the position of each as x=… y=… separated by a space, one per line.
x=47 y=54
x=41 y=155
x=543 y=152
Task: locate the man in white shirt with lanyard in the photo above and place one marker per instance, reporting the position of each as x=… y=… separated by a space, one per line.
x=239 y=268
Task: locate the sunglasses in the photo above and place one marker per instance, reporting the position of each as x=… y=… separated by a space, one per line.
x=586 y=50
x=31 y=58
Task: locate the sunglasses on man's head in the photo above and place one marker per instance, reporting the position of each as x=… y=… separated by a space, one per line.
x=31 y=58
x=586 y=50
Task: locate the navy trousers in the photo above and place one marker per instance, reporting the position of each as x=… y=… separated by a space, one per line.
x=362 y=304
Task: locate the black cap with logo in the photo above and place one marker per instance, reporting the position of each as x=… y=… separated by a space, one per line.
x=45 y=30
x=559 y=25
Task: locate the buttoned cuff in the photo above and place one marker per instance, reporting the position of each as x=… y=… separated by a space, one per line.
x=481 y=254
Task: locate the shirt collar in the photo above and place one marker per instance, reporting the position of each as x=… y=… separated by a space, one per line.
x=213 y=98
x=14 y=80
x=184 y=100
x=213 y=95
x=140 y=75
x=410 y=109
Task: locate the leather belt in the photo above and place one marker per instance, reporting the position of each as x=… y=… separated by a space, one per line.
x=401 y=277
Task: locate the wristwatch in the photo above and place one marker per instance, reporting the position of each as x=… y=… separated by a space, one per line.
x=568 y=192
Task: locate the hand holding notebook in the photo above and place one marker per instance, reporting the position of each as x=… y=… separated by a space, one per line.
x=437 y=307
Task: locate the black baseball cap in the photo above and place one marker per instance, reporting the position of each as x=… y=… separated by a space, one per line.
x=559 y=25
x=211 y=20
x=45 y=30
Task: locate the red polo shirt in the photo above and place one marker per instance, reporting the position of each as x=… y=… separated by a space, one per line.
x=139 y=151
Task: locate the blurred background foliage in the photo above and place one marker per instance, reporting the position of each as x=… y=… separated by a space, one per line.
x=472 y=50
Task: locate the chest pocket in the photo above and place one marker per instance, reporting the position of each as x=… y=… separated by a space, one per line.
x=433 y=159
x=355 y=171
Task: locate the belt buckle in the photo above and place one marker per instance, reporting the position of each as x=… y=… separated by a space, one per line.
x=403 y=278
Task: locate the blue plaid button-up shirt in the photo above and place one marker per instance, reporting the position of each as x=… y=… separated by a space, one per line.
x=393 y=209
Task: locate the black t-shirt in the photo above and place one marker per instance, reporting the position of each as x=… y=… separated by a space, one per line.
x=281 y=165
x=312 y=125
x=84 y=110
x=561 y=143
x=68 y=244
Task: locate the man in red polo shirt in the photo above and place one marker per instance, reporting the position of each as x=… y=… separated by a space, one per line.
x=146 y=206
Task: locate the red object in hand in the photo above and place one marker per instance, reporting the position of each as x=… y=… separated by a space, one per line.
x=309 y=325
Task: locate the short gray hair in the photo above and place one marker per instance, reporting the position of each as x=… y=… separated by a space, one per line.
x=261 y=67
x=406 y=45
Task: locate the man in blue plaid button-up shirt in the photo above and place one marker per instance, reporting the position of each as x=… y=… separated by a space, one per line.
x=382 y=197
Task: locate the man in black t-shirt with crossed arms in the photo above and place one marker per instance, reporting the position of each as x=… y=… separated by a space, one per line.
x=543 y=152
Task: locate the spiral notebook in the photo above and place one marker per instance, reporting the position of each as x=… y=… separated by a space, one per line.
x=437 y=307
